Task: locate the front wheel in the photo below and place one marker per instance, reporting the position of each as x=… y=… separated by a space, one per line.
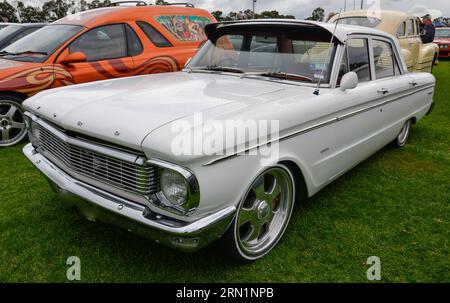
x=12 y=123
x=263 y=215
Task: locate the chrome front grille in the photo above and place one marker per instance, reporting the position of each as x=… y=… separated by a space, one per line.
x=138 y=179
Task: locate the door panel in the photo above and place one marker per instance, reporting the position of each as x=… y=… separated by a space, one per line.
x=107 y=55
x=351 y=139
x=413 y=42
x=364 y=122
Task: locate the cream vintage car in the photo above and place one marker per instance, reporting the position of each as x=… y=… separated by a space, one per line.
x=135 y=151
x=418 y=56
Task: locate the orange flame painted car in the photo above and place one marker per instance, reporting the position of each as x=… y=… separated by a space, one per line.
x=95 y=45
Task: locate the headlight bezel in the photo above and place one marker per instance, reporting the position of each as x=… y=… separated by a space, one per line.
x=192 y=189
x=32 y=129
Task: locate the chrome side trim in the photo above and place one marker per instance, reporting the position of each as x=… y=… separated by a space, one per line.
x=135 y=159
x=321 y=124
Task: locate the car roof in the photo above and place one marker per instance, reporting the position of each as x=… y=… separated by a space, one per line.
x=25 y=24
x=390 y=20
x=341 y=31
x=96 y=17
x=34 y=24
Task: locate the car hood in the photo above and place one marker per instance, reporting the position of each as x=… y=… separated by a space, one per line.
x=18 y=76
x=124 y=111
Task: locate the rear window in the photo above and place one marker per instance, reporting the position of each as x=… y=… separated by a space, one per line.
x=360 y=21
x=154 y=35
x=185 y=28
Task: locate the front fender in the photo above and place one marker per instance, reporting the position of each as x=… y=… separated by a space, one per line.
x=428 y=52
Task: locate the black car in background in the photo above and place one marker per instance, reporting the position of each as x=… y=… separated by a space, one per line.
x=11 y=32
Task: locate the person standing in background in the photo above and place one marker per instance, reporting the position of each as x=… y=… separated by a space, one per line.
x=428 y=31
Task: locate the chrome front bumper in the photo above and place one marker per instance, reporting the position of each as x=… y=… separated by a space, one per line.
x=97 y=204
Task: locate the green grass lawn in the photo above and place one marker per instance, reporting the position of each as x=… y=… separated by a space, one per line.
x=396 y=206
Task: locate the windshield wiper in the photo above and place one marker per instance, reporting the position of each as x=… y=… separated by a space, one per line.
x=28 y=53
x=278 y=74
x=217 y=68
x=4 y=53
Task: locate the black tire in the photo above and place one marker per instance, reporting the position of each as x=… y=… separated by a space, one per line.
x=434 y=62
x=271 y=226
x=12 y=123
x=403 y=136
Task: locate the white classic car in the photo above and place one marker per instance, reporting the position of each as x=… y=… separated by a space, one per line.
x=133 y=151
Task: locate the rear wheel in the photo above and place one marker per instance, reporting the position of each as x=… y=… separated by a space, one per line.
x=263 y=215
x=403 y=136
x=12 y=123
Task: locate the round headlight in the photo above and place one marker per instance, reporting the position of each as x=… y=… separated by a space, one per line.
x=174 y=187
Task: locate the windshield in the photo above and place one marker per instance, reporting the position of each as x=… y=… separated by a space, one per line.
x=2 y=26
x=37 y=46
x=360 y=21
x=443 y=33
x=4 y=33
x=295 y=56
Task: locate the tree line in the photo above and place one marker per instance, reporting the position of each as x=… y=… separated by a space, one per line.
x=53 y=10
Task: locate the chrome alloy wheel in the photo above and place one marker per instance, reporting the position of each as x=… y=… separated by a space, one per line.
x=264 y=213
x=12 y=123
x=404 y=134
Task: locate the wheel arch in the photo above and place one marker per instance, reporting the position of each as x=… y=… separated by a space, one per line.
x=299 y=178
x=23 y=97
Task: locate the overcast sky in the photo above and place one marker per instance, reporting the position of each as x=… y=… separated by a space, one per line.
x=303 y=8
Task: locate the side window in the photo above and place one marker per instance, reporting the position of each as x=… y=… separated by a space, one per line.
x=358 y=56
x=401 y=30
x=102 y=43
x=154 y=35
x=134 y=43
x=417 y=27
x=384 y=59
x=410 y=27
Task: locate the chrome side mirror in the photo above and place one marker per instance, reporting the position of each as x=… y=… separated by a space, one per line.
x=349 y=81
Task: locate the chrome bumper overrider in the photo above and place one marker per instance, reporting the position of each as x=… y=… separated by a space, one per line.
x=98 y=204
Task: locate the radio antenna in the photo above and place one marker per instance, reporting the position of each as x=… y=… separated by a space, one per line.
x=317 y=91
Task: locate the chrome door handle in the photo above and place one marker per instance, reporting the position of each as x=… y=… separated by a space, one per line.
x=413 y=83
x=383 y=91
